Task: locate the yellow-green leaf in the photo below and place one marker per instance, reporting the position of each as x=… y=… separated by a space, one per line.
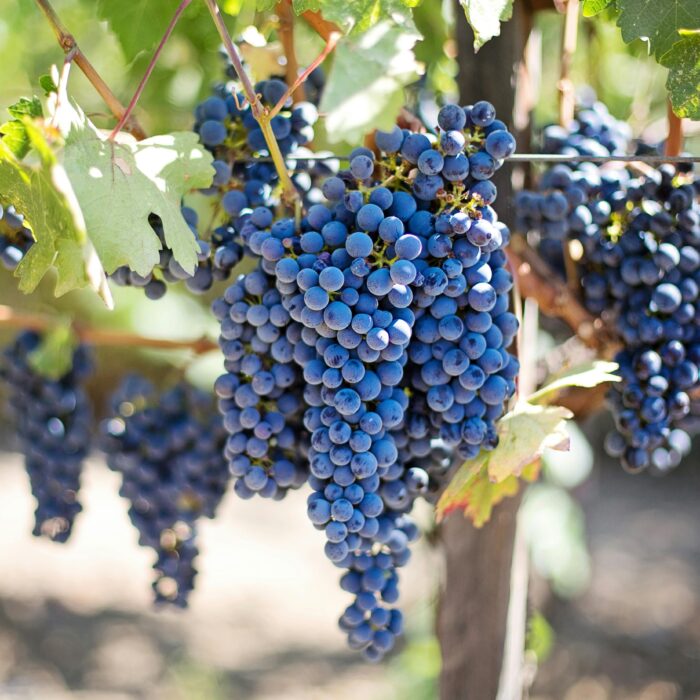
x=472 y=492
x=587 y=375
x=524 y=434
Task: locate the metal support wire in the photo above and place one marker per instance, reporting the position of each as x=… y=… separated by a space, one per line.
x=515 y=158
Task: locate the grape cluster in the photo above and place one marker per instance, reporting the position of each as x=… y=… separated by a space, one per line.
x=53 y=422
x=633 y=244
x=643 y=269
x=15 y=238
x=394 y=294
x=168 y=448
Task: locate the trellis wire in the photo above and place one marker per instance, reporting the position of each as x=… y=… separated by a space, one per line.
x=515 y=158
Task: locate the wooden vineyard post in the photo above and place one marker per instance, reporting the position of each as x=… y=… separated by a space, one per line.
x=474 y=600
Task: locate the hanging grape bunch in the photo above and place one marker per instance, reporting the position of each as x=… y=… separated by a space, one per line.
x=52 y=418
x=391 y=304
x=644 y=268
x=168 y=450
x=636 y=239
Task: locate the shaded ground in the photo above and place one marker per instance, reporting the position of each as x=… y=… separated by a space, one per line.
x=76 y=621
x=636 y=631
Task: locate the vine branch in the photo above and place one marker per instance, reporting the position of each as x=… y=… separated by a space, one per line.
x=285 y=13
x=331 y=42
x=674 y=140
x=149 y=69
x=567 y=96
x=69 y=45
x=538 y=281
x=9 y=318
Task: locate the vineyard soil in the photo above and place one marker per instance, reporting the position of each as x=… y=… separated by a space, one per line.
x=78 y=622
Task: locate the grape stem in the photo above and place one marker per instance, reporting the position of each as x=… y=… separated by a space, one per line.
x=69 y=45
x=331 y=42
x=289 y=192
x=10 y=318
x=184 y=4
x=674 y=140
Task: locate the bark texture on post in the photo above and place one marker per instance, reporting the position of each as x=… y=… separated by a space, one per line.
x=474 y=601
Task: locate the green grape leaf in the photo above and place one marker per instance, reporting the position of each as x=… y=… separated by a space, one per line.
x=43 y=194
x=594 y=7
x=484 y=481
x=524 y=434
x=54 y=356
x=659 y=21
x=683 y=83
x=48 y=84
x=307 y=6
x=265 y=5
x=119 y=185
x=139 y=25
x=14 y=136
x=485 y=17
x=25 y=107
x=587 y=376
x=359 y=15
x=14 y=132
x=365 y=87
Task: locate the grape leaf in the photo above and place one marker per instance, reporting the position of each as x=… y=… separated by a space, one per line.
x=14 y=136
x=265 y=5
x=139 y=25
x=594 y=7
x=524 y=434
x=484 y=481
x=359 y=15
x=43 y=195
x=120 y=184
x=475 y=495
x=659 y=21
x=485 y=17
x=48 y=84
x=365 y=85
x=26 y=107
x=14 y=133
x=683 y=83
x=588 y=375
x=306 y=6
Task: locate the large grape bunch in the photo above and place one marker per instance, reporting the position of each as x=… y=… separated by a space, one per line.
x=168 y=449
x=573 y=200
x=53 y=423
x=400 y=270
x=15 y=238
x=642 y=268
